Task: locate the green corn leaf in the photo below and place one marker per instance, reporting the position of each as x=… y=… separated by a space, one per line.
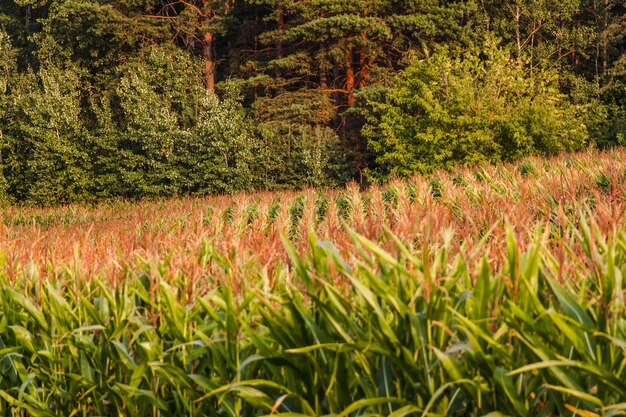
x=368 y=403
x=124 y=355
x=33 y=311
x=508 y=387
x=575 y=393
x=384 y=377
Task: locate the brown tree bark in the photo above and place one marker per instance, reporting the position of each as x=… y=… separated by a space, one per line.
x=350 y=76
x=323 y=80
x=363 y=70
x=323 y=73
x=281 y=28
x=207 y=53
x=366 y=60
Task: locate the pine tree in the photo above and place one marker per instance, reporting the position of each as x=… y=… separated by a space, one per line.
x=197 y=25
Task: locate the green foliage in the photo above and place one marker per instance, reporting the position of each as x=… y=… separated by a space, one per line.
x=300 y=108
x=411 y=334
x=603 y=182
x=48 y=160
x=159 y=156
x=344 y=205
x=8 y=67
x=436 y=188
x=526 y=168
x=217 y=155
x=273 y=211
x=296 y=211
x=324 y=95
x=613 y=127
x=147 y=137
x=99 y=37
x=293 y=155
x=466 y=108
x=321 y=208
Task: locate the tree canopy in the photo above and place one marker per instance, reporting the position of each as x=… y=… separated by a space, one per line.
x=140 y=98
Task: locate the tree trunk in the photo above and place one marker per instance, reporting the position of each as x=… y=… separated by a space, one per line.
x=366 y=60
x=605 y=25
x=27 y=18
x=207 y=53
x=281 y=29
x=323 y=74
x=350 y=76
x=518 y=38
x=324 y=81
x=363 y=70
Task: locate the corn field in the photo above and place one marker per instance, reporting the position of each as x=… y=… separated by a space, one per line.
x=495 y=291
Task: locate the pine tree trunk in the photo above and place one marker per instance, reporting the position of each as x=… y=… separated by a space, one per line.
x=605 y=24
x=324 y=81
x=364 y=65
x=518 y=38
x=323 y=74
x=281 y=29
x=350 y=76
x=207 y=53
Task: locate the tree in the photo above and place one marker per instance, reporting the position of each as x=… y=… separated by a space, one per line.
x=8 y=70
x=311 y=91
x=315 y=56
x=197 y=24
x=336 y=45
x=465 y=108
x=97 y=36
x=48 y=155
x=218 y=154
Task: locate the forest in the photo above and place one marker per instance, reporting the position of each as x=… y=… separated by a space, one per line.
x=146 y=98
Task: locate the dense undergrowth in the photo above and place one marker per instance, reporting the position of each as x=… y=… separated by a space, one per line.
x=467 y=293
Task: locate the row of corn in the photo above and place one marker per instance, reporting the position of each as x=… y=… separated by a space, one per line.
x=414 y=334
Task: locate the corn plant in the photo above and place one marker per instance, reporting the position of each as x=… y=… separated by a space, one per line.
x=424 y=331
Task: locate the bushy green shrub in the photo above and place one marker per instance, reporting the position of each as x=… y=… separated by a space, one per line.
x=482 y=105
x=290 y=156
